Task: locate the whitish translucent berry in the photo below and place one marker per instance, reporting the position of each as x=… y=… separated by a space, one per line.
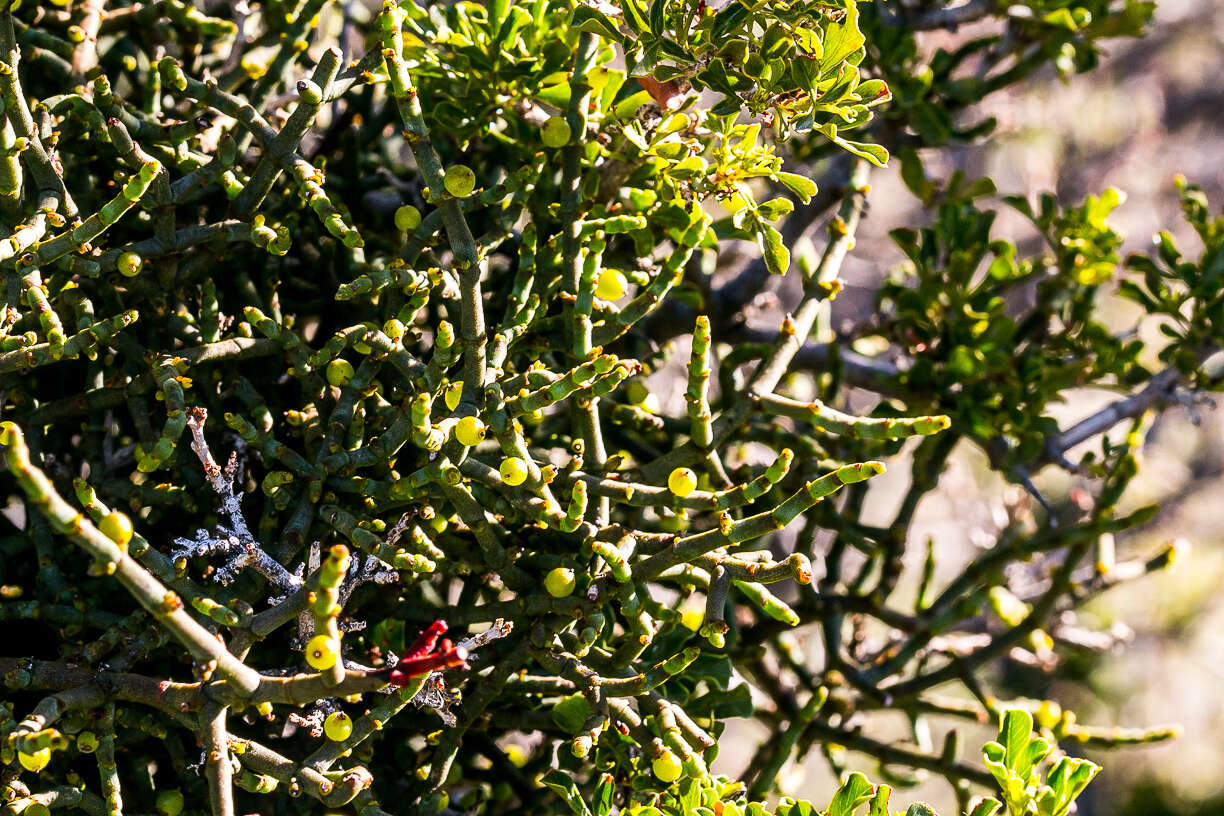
x=322 y=652
x=452 y=395
x=338 y=726
x=36 y=761
x=129 y=264
x=513 y=471
x=556 y=132
x=117 y=527
x=611 y=285
x=470 y=431
x=170 y=802
x=560 y=582
x=339 y=372
x=459 y=181
x=666 y=766
x=407 y=218
x=682 y=481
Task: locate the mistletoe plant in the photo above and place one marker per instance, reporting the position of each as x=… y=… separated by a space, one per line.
x=486 y=540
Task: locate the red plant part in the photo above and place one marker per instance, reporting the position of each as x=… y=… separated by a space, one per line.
x=423 y=658
x=668 y=94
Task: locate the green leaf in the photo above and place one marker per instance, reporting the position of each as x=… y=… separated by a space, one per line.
x=673 y=50
x=690 y=795
x=876 y=154
x=914 y=176
x=642 y=61
x=593 y=21
x=1060 y=18
x=879 y=802
x=841 y=40
x=854 y=792
x=389 y=635
x=514 y=22
x=689 y=295
x=571 y=712
x=1095 y=273
x=633 y=16
x=1004 y=264
x=632 y=132
x=1131 y=291
x=736 y=702
x=777 y=256
x=873 y=91
x=775 y=208
x=717 y=78
x=689 y=168
x=987 y=807
x=1038 y=749
x=729 y=17
x=657 y=21
x=1015 y=734
x=561 y=782
x=920 y=809
x=801 y=186
x=1098 y=208
x=809 y=42
x=605 y=788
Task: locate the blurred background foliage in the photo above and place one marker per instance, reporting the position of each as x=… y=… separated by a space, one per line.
x=1151 y=110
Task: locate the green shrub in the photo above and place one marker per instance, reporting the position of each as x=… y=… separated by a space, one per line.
x=413 y=274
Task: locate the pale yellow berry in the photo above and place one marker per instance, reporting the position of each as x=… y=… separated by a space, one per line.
x=407 y=218
x=36 y=761
x=322 y=652
x=338 y=726
x=339 y=372
x=560 y=582
x=470 y=431
x=667 y=766
x=117 y=527
x=87 y=742
x=129 y=264
x=611 y=285
x=459 y=181
x=513 y=471
x=682 y=481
